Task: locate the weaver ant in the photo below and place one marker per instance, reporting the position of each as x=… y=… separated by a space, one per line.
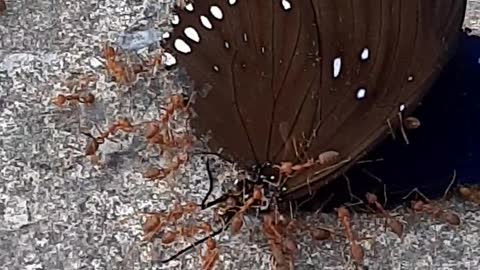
x=325 y=158
x=125 y=72
x=116 y=68
x=155 y=173
x=95 y=142
x=394 y=224
x=73 y=99
x=435 y=211
x=470 y=193
x=355 y=249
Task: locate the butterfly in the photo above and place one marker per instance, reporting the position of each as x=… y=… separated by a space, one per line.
x=296 y=92
x=287 y=81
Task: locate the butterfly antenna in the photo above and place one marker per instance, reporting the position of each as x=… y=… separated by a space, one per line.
x=222 y=198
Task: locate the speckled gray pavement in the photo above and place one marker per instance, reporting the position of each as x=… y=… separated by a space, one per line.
x=57 y=211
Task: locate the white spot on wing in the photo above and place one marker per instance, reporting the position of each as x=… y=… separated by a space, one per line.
x=361 y=93
x=227 y=45
x=216 y=12
x=337 y=67
x=402 y=107
x=216 y=68
x=181 y=46
x=169 y=60
x=192 y=34
x=189 y=7
x=166 y=35
x=365 y=54
x=286 y=5
x=206 y=22
x=175 y=19
x=232 y=2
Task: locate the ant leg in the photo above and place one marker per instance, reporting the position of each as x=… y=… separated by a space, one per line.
x=88 y=135
x=198 y=242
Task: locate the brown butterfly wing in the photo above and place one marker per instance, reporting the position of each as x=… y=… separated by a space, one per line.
x=258 y=70
x=409 y=42
x=268 y=73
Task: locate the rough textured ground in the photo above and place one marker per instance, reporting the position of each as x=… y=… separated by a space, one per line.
x=59 y=212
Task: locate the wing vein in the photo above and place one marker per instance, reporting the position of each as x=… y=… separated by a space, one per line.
x=237 y=107
x=284 y=79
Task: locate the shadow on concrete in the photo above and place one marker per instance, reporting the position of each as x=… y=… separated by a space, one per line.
x=446 y=145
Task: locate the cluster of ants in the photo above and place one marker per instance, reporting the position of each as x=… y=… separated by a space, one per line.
x=471 y=193
x=231 y=207
x=279 y=231
x=230 y=210
x=119 y=67
x=156 y=133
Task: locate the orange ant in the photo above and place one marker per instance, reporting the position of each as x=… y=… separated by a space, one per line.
x=211 y=255
x=122 y=73
x=73 y=99
x=160 y=173
x=126 y=73
x=95 y=142
x=470 y=193
x=161 y=137
x=356 y=250
x=185 y=232
x=436 y=212
x=154 y=63
x=156 y=221
x=394 y=224
x=158 y=133
x=176 y=103
x=272 y=232
x=325 y=158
